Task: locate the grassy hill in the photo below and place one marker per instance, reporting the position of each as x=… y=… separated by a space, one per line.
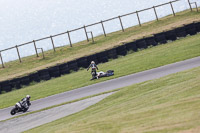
x=160 y=55
x=64 y=54
x=169 y=104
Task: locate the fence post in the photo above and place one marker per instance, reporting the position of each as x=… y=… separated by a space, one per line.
x=18 y=54
x=190 y=5
x=35 y=48
x=121 y=23
x=42 y=53
x=86 y=33
x=196 y=7
x=53 y=44
x=155 y=13
x=172 y=8
x=69 y=39
x=92 y=37
x=103 y=28
x=138 y=18
x=2 y=61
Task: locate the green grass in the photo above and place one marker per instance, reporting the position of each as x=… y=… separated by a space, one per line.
x=64 y=54
x=166 y=105
x=139 y=61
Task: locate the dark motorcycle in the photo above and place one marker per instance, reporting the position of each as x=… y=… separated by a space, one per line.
x=21 y=106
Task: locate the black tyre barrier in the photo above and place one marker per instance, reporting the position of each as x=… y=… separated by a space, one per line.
x=131 y=46
x=34 y=77
x=73 y=65
x=64 y=69
x=92 y=58
x=112 y=53
x=180 y=32
x=141 y=44
x=170 y=35
x=121 y=50
x=0 y=90
x=15 y=83
x=150 y=41
x=44 y=74
x=160 y=38
x=102 y=57
x=190 y=29
x=82 y=62
x=54 y=71
x=197 y=25
x=5 y=86
x=24 y=80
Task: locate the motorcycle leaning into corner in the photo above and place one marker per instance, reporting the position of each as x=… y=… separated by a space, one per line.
x=21 y=106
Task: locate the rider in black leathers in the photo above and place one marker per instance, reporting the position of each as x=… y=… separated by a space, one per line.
x=27 y=100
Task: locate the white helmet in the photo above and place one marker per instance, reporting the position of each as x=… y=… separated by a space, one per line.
x=28 y=96
x=92 y=62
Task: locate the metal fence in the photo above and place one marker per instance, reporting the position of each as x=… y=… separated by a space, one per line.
x=86 y=32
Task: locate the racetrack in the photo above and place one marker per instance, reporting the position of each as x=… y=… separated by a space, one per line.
x=107 y=86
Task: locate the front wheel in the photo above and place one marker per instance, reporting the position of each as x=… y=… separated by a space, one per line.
x=13 y=111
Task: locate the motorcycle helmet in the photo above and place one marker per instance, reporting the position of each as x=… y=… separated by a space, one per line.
x=28 y=96
x=92 y=62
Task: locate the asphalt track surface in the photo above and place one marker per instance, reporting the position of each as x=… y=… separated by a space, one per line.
x=30 y=121
x=107 y=86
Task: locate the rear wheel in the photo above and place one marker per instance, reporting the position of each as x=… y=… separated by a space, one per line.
x=13 y=111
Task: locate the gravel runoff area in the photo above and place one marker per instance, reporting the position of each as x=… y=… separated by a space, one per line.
x=107 y=86
x=27 y=122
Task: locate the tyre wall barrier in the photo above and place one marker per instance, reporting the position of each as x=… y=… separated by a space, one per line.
x=121 y=50
x=15 y=83
x=131 y=46
x=24 y=80
x=44 y=74
x=82 y=62
x=102 y=57
x=73 y=65
x=170 y=35
x=92 y=58
x=0 y=89
x=180 y=32
x=112 y=53
x=150 y=41
x=197 y=25
x=54 y=71
x=64 y=69
x=34 y=77
x=160 y=38
x=141 y=44
x=5 y=85
x=190 y=29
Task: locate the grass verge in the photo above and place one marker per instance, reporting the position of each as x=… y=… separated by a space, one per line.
x=169 y=104
x=64 y=54
x=139 y=61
